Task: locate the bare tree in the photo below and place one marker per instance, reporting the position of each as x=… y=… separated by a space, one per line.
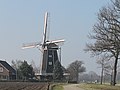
x=103 y=61
x=75 y=68
x=107 y=34
x=108 y=70
x=89 y=77
x=16 y=65
x=35 y=68
x=107 y=67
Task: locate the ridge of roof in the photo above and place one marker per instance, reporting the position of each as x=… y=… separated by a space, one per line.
x=7 y=66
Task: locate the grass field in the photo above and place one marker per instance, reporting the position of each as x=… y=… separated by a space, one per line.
x=98 y=87
x=57 y=87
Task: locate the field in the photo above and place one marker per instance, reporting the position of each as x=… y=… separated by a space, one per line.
x=98 y=87
x=23 y=86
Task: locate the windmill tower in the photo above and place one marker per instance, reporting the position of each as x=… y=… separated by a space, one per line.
x=49 y=51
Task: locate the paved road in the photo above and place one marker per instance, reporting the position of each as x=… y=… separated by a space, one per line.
x=72 y=87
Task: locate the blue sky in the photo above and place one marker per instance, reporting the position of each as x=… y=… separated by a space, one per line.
x=21 y=21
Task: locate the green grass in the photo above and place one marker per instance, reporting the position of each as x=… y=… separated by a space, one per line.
x=98 y=87
x=57 y=87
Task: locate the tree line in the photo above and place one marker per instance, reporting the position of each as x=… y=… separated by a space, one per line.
x=93 y=77
x=25 y=71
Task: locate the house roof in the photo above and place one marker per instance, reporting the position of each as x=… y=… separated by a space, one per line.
x=8 y=67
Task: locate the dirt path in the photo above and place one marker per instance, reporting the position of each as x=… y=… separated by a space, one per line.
x=72 y=87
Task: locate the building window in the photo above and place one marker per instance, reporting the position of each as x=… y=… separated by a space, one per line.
x=4 y=77
x=1 y=69
x=0 y=77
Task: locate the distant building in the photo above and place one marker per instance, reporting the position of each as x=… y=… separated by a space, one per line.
x=6 y=71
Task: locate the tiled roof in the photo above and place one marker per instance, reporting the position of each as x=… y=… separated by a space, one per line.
x=8 y=67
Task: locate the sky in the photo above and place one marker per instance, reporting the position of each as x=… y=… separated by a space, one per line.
x=21 y=21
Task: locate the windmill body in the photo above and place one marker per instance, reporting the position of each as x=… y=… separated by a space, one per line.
x=49 y=51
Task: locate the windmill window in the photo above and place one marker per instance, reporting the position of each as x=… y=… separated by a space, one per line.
x=50 y=63
x=50 y=55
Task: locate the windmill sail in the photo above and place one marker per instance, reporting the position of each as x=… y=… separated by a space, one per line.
x=45 y=28
x=31 y=45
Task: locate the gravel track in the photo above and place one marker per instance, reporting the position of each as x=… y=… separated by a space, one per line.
x=72 y=87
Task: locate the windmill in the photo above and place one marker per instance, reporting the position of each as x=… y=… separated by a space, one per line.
x=49 y=51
